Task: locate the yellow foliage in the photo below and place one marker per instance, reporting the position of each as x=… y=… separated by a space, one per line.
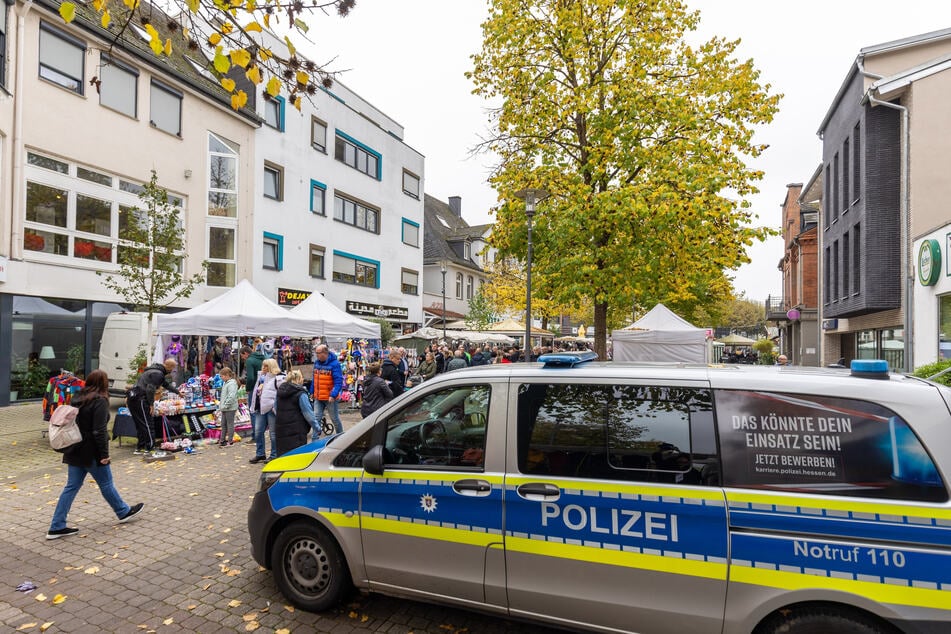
x=240 y=57
x=99 y=5
x=254 y=75
x=274 y=86
x=67 y=11
x=302 y=78
x=168 y=46
x=227 y=83
x=106 y=19
x=239 y=100
x=221 y=63
x=193 y=5
x=214 y=39
x=253 y=27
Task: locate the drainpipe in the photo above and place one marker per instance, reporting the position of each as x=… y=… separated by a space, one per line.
x=904 y=209
x=17 y=185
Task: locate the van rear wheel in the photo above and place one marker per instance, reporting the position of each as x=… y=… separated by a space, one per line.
x=309 y=567
x=820 y=621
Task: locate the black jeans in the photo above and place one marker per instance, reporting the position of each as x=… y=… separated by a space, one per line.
x=139 y=410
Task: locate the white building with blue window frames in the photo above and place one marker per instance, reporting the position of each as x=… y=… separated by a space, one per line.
x=339 y=207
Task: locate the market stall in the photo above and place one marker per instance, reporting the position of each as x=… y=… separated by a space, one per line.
x=660 y=335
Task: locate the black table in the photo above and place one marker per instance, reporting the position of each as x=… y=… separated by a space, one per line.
x=123 y=425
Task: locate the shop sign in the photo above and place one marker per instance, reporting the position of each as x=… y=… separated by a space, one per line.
x=4 y=263
x=291 y=297
x=830 y=324
x=929 y=262
x=378 y=310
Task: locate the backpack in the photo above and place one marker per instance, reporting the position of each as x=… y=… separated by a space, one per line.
x=64 y=432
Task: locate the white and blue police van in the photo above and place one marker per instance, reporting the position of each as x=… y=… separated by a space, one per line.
x=632 y=498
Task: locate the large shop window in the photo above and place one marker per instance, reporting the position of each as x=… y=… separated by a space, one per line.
x=352 y=269
x=618 y=432
x=826 y=445
x=76 y=211
x=944 y=327
x=885 y=343
x=62 y=58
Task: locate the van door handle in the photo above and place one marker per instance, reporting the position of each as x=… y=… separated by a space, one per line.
x=476 y=488
x=539 y=491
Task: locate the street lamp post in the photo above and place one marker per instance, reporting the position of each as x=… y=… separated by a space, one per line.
x=442 y=269
x=531 y=197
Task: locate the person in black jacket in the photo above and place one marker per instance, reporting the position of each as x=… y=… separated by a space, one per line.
x=391 y=373
x=376 y=393
x=142 y=396
x=295 y=416
x=91 y=455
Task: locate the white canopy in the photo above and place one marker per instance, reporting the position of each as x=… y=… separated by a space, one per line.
x=334 y=323
x=472 y=336
x=660 y=335
x=242 y=311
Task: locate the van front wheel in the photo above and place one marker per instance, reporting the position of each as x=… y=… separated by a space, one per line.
x=309 y=568
x=820 y=621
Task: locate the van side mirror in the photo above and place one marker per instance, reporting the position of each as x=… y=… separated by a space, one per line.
x=373 y=460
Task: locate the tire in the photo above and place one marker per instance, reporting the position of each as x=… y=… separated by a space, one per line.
x=309 y=568
x=821 y=621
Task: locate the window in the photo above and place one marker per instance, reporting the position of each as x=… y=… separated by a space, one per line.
x=357 y=155
x=273 y=251
x=317 y=261
x=62 y=58
x=835 y=187
x=118 y=86
x=856 y=161
x=410 y=233
x=410 y=282
x=846 y=174
x=221 y=256
x=78 y=212
x=318 y=135
x=222 y=177
x=826 y=271
x=411 y=184
x=828 y=196
x=458 y=285
x=470 y=284
x=273 y=181
x=944 y=327
x=835 y=271
x=443 y=429
x=467 y=250
x=856 y=261
x=619 y=432
x=318 y=198
x=274 y=112
x=833 y=446
x=166 y=108
x=356 y=214
x=846 y=264
x=352 y=269
x=3 y=44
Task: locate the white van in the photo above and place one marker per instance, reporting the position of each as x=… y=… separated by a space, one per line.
x=121 y=338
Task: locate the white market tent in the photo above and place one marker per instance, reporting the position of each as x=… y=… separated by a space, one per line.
x=242 y=311
x=660 y=335
x=334 y=323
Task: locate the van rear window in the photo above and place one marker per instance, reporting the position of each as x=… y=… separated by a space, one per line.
x=823 y=446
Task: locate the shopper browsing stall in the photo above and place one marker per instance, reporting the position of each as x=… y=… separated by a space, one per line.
x=141 y=398
x=264 y=416
x=228 y=406
x=295 y=416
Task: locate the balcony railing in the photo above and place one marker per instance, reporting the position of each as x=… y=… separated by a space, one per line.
x=775 y=308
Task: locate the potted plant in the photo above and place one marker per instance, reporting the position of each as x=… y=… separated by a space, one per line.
x=29 y=379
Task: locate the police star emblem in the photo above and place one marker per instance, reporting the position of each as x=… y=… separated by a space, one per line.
x=428 y=503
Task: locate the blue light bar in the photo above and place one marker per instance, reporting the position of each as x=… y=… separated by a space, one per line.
x=870 y=368
x=567 y=359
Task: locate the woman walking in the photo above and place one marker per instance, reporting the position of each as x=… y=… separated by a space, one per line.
x=263 y=399
x=294 y=413
x=90 y=455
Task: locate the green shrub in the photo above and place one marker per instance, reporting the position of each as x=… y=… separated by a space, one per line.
x=933 y=368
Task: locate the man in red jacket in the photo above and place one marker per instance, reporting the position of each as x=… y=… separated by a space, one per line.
x=328 y=383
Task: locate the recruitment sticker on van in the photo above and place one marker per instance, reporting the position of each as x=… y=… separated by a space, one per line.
x=822 y=444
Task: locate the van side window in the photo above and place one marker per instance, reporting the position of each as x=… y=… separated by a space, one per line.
x=352 y=456
x=823 y=446
x=618 y=432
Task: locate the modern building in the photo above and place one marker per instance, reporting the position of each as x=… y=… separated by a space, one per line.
x=884 y=153
x=85 y=122
x=339 y=207
x=798 y=313
x=456 y=257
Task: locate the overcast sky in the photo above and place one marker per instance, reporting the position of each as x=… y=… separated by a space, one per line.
x=408 y=58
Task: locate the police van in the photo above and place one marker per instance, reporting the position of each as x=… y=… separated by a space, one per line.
x=632 y=498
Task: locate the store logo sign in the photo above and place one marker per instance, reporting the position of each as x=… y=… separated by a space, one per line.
x=291 y=297
x=4 y=264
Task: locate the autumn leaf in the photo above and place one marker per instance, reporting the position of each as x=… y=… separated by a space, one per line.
x=283 y=630
x=253 y=27
x=132 y=4
x=254 y=76
x=265 y=54
x=234 y=603
x=221 y=63
x=168 y=46
x=156 y=46
x=99 y=5
x=302 y=77
x=239 y=100
x=193 y=5
x=300 y=24
x=239 y=57
x=91 y=570
x=267 y=20
x=227 y=28
x=46 y=626
x=297 y=103
x=214 y=39
x=250 y=616
x=106 y=19
x=251 y=626
x=168 y=621
x=290 y=46
x=59 y=598
x=26 y=626
x=227 y=83
x=40 y=597
x=67 y=11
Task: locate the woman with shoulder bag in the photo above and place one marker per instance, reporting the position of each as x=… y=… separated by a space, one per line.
x=295 y=415
x=263 y=401
x=90 y=455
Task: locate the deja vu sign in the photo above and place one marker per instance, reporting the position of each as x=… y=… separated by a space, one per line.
x=291 y=297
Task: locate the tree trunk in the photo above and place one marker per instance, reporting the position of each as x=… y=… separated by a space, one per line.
x=601 y=330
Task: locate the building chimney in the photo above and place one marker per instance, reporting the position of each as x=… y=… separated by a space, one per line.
x=455 y=205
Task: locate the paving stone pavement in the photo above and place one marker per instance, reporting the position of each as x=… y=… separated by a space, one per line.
x=184 y=566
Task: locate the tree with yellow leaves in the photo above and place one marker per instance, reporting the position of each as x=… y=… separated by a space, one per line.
x=637 y=135
x=233 y=34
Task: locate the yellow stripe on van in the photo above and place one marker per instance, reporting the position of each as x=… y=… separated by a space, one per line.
x=834 y=504
x=879 y=592
x=658 y=563
x=326 y=474
x=340 y=520
x=290 y=463
x=427 y=531
x=677 y=491
x=423 y=476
